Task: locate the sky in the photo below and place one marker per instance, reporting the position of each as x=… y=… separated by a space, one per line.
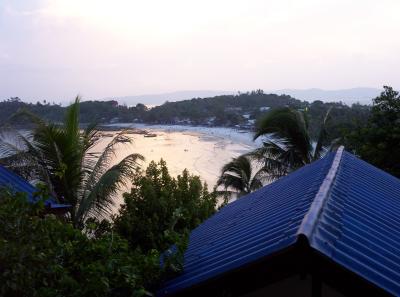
x=56 y=49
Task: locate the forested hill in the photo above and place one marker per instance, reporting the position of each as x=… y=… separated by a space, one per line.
x=227 y=109
x=239 y=111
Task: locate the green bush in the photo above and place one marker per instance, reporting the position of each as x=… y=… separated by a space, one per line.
x=40 y=255
x=44 y=255
x=161 y=210
x=377 y=142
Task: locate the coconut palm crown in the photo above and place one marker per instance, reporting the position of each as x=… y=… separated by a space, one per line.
x=63 y=157
x=238 y=177
x=287 y=144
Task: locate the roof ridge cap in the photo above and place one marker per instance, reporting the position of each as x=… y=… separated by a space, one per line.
x=310 y=220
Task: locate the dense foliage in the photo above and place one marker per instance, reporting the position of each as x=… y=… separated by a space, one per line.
x=40 y=255
x=53 y=112
x=44 y=255
x=378 y=140
x=90 y=111
x=79 y=255
x=342 y=118
x=226 y=110
x=62 y=157
x=161 y=209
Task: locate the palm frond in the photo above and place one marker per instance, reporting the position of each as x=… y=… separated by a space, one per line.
x=17 y=159
x=256 y=182
x=240 y=166
x=288 y=125
x=100 y=198
x=226 y=195
x=62 y=156
x=228 y=180
x=271 y=158
x=237 y=176
x=323 y=133
x=25 y=159
x=103 y=161
x=71 y=122
x=90 y=137
x=25 y=114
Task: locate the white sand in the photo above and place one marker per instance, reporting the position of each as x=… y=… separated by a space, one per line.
x=202 y=150
x=226 y=133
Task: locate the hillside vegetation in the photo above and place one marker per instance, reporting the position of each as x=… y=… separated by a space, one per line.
x=239 y=111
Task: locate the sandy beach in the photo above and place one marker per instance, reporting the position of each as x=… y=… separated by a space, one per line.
x=235 y=135
x=202 y=150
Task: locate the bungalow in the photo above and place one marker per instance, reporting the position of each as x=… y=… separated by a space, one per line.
x=264 y=108
x=329 y=229
x=10 y=180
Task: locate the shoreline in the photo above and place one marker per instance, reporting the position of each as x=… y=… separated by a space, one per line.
x=231 y=134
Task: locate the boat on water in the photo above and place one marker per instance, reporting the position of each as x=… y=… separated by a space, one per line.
x=135 y=131
x=150 y=135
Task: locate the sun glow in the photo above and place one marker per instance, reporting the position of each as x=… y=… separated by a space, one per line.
x=104 y=47
x=134 y=18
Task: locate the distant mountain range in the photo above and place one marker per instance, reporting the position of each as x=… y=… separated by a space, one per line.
x=348 y=96
x=158 y=99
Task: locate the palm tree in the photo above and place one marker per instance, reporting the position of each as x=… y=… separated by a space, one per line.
x=287 y=144
x=237 y=177
x=62 y=157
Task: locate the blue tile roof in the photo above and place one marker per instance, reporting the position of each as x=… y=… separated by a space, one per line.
x=18 y=184
x=347 y=209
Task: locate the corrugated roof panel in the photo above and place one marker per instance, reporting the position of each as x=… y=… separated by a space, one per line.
x=359 y=227
x=18 y=184
x=348 y=210
x=252 y=227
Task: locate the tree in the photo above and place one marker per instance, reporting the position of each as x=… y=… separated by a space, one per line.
x=237 y=177
x=160 y=209
x=141 y=107
x=377 y=142
x=62 y=157
x=41 y=255
x=287 y=144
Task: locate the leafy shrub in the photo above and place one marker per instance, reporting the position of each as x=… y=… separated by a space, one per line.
x=160 y=210
x=40 y=255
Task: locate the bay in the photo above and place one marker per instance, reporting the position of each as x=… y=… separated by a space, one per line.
x=201 y=150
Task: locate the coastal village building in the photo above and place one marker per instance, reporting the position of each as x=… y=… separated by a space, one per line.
x=264 y=108
x=329 y=229
x=16 y=184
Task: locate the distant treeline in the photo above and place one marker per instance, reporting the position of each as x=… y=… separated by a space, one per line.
x=241 y=111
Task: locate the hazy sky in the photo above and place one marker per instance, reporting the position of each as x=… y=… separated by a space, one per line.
x=55 y=49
